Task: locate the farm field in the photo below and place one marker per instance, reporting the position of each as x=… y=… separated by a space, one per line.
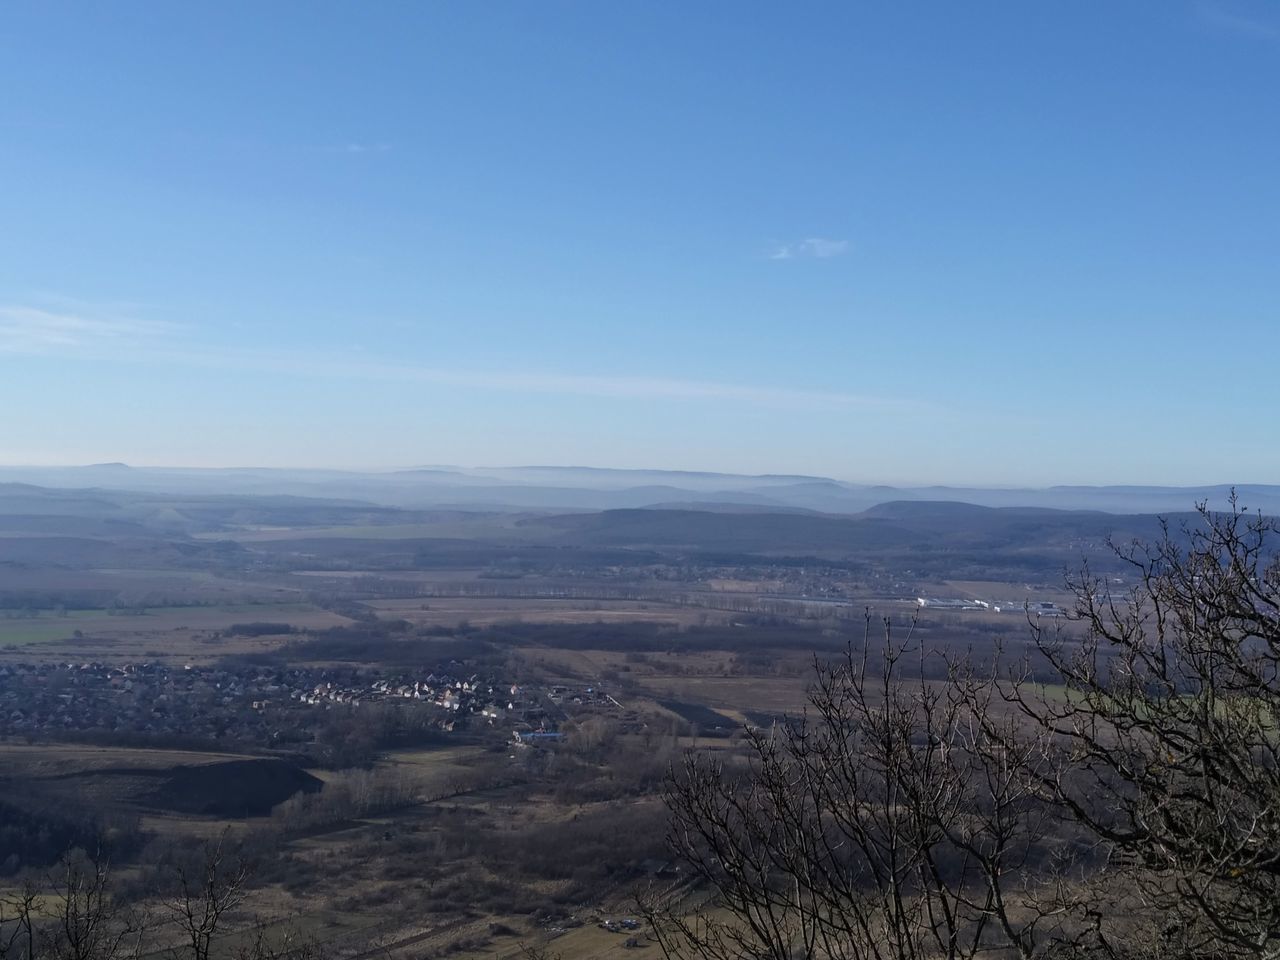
x=19 y=632
x=745 y=698
x=450 y=611
x=442 y=576
x=163 y=631
x=153 y=586
x=61 y=759
x=733 y=694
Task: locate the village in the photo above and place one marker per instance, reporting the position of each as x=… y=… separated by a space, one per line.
x=266 y=706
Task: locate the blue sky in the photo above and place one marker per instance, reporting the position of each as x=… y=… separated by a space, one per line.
x=998 y=243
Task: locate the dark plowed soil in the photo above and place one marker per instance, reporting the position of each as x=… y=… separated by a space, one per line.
x=237 y=788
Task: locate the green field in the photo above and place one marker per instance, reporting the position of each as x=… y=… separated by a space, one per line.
x=46 y=626
x=18 y=632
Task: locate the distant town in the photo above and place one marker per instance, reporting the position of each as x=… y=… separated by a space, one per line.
x=267 y=706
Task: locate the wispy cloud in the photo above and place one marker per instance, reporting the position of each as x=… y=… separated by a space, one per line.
x=1228 y=19
x=525 y=381
x=816 y=248
x=25 y=329
x=43 y=332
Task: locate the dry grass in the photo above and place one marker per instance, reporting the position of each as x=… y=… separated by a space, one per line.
x=763 y=694
x=62 y=759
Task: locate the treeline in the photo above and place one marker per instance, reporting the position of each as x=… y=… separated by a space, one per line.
x=392 y=643
x=259 y=628
x=356 y=738
x=35 y=830
x=481 y=649
x=751 y=632
x=345 y=606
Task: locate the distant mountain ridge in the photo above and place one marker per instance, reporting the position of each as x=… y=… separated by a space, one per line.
x=551 y=488
x=944 y=526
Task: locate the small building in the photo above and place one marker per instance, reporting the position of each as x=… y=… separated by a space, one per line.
x=530 y=738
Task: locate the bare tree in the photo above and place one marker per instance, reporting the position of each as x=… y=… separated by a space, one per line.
x=878 y=825
x=1169 y=718
x=74 y=915
x=205 y=892
x=17 y=923
x=288 y=944
x=84 y=921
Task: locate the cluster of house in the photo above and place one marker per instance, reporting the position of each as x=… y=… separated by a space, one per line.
x=245 y=703
x=455 y=695
x=1039 y=608
x=580 y=697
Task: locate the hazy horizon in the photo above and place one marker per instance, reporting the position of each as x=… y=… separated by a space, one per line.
x=584 y=471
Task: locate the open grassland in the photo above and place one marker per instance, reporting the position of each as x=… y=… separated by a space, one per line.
x=46 y=760
x=762 y=694
x=161 y=631
x=18 y=632
x=431 y=773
